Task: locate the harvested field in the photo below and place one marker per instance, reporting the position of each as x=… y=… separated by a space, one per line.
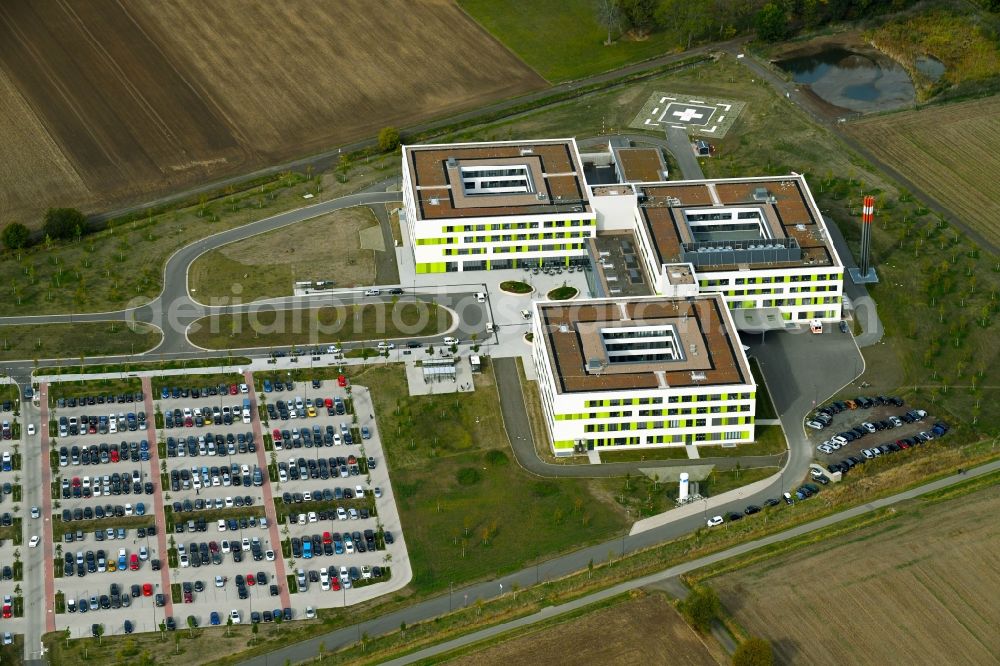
x=133 y=99
x=643 y=630
x=952 y=152
x=327 y=247
x=918 y=589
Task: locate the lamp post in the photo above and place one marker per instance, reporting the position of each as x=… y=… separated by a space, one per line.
x=451 y=591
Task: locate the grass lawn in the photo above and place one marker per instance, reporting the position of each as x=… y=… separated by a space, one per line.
x=146 y=366
x=465 y=504
x=87 y=276
x=562 y=293
x=267 y=266
x=764 y=408
x=770 y=440
x=563 y=39
x=373 y=321
x=86 y=387
x=720 y=481
x=638 y=455
x=516 y=287
x=76 y=340
x=10 y=392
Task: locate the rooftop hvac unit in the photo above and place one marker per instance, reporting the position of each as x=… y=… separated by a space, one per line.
x=527 y=151
x=563 y=328
x=452 y=162
x=800 y=227
x=435 y=201
x=693 y=349
x=761 y=194
x=698 y=376
x=540 y=196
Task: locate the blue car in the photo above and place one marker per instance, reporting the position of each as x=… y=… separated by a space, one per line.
x=164 y=393
x=267 y=386
x=365 y=433
x=307 y=549
x=140 y=509
x=214 y=619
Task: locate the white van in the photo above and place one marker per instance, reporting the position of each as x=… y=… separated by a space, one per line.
x=449 y=340
x=373 y=292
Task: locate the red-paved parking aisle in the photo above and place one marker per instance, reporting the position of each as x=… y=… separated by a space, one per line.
x=161 y=522
x=47 y=545
x=272 y=523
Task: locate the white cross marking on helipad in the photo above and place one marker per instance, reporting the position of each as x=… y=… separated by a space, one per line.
x=687 y=115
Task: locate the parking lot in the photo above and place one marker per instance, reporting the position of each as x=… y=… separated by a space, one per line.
x=861 y=429
x=10 y=519
x=332 y=493
x=216 y=546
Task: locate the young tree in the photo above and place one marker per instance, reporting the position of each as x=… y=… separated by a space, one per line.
x=15 y=236
x=754 y=651
x=608 y=14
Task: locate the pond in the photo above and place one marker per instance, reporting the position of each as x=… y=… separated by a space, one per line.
x=857 y=79
x=930 y=67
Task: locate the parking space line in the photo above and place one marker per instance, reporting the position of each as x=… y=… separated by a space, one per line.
x=272 y=522
x=161 y=523
x=48 y=548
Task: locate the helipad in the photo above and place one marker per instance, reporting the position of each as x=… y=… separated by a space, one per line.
x=697 y=115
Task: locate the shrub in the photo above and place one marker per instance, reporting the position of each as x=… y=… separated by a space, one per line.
x=497 y=458
x=468 y=476
x=64 y=223
x=754 y=651
x=15 y=236
x=701 y=608
x=388 y=139
x=545 y=489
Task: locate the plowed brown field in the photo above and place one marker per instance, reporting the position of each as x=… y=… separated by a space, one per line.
x=919 y=589
x=646 y=630
x=951 y=151
x=115 y=101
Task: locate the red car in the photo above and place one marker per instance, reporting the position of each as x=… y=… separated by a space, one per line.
x=276 y=435
x=233 y=389
x=251 y=580
x=328 y=402
x=341 y=381
x=76 y=482
x=114 y=455
x=133 y=563
x=334 y=583
x=188 y=598
x=147 y=590
x=327 y=538
x=189 y=422
x=6 y=611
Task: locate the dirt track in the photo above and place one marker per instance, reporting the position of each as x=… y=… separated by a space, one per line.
x=136 y=98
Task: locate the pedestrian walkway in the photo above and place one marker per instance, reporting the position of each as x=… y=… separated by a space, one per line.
x=594 y=456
